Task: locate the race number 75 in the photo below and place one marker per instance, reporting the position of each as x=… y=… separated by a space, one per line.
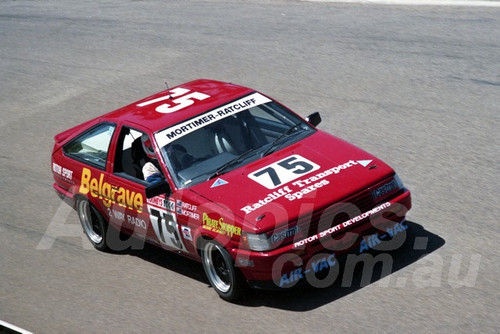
x=283 y=171
x=178 y=98
x=165 y=226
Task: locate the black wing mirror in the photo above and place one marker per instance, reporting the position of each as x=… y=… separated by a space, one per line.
x=314 y=119
x=158 y=188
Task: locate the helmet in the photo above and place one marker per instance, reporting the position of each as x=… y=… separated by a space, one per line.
x=147 y=146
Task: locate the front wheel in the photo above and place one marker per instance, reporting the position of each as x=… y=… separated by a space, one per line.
x=93 y=224
x=227 y=280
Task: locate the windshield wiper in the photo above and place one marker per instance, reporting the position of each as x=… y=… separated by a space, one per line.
x=232 y=162
x=278 y=140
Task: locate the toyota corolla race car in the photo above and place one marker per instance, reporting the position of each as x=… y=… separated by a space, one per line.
x=227 y=176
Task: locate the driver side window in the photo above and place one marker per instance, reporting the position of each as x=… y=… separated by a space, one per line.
x=130 y=156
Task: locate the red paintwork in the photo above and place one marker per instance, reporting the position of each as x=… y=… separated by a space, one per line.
x=220 y=93
x=226 y=202
x=346 y=183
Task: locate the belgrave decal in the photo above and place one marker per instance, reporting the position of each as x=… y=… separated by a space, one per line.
x=108 y=193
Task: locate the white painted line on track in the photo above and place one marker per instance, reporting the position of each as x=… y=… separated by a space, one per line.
x=460 y=3
x=12 y=328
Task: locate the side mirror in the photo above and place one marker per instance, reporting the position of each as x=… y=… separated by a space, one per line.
x=158 y=188
x=314 y=119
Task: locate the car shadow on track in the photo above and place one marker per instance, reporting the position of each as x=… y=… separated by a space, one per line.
x=168 y=260
x=354 y=273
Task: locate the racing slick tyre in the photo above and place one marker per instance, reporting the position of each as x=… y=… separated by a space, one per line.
x=219 y=267
x=94 y=225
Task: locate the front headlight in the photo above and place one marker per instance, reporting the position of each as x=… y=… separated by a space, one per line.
x=256 y=242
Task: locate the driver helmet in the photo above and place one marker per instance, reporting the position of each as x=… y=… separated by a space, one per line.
x=147 y=145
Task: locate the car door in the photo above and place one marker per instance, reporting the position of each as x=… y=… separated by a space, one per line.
x=153 y=220
x=128 y=212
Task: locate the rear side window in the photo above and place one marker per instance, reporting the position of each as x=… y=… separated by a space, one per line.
x=92 y=146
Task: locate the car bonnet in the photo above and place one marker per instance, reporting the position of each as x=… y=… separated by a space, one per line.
x=307 y=176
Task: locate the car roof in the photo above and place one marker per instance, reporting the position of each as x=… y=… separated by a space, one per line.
x=219 y=93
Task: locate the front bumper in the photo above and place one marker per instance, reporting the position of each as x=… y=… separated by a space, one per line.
x=285 y=266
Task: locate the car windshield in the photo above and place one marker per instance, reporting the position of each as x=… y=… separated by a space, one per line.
x=221 y=144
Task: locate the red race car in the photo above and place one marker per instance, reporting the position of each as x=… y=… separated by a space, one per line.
x=225 y=175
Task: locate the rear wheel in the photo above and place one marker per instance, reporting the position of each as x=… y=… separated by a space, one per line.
x=94 y=225
x=227 y=280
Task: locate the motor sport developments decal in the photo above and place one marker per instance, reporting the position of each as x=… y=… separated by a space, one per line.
x=177 y=131
x=320 y=262
x=110 y=194
x=299 y=166
x=341 y=226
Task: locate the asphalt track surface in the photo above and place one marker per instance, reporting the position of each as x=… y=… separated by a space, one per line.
x=417 y=86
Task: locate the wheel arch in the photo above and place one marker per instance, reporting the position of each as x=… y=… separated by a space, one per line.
x=200 y=240
x=93 y=202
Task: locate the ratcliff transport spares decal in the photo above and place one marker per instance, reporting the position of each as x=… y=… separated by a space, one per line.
x=297 y=189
